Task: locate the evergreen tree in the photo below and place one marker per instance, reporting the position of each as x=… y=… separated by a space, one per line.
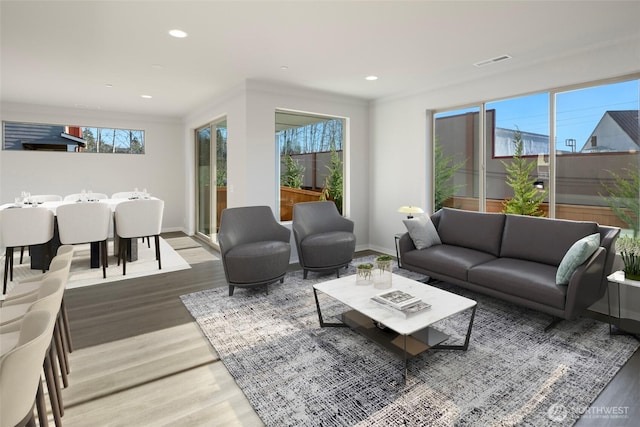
x=293 y=173
x=333 y=183
x=445 y=169
x=526 y=198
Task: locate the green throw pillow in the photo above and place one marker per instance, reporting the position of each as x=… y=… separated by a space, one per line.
x=578 y=253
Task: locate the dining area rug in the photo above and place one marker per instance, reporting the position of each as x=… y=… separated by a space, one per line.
x=296 y=373
x=82 y=275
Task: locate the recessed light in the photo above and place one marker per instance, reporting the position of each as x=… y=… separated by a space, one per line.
x=178 y=34
x=284 y=67
x=157 y=66
x=146 y=96
x=109 y=85
x=371 y=78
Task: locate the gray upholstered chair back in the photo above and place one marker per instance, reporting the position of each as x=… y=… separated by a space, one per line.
x=249 y=224
x=318 y=217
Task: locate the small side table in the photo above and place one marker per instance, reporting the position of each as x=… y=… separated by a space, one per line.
x=397 y=239
x=620 y=281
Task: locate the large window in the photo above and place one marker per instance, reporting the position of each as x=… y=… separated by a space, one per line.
x=79 y=139
x=311 y=151
x=590 y=172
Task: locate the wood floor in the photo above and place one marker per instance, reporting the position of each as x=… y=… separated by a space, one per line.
x=140 y=359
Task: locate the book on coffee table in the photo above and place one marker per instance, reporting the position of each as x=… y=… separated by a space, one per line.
x=400 y=300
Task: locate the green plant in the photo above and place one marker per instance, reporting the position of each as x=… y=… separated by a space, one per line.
x=629 y=248
x=444 y=171
x=526 y=198
x=384 y=258
x=293 y=175
x=623 y=196
x=333 y=183
x=364 y=270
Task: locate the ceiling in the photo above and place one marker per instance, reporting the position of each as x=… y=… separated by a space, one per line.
x=103 y=55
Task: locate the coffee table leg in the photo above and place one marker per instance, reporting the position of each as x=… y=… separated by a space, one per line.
x=465 y=346
x=406 y=373
x=322 y=322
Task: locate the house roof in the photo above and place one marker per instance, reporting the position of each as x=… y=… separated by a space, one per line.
x=629 y=122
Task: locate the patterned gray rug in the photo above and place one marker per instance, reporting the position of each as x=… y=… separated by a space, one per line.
x=295 y=373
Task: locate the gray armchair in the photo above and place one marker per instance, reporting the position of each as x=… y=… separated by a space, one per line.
x=255 y=247
x=324 y=239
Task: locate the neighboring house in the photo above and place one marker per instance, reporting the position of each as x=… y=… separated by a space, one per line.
x=30 y=136
x=616 y=131
x=533 y=143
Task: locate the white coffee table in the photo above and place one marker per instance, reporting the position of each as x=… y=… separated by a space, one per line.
x=409 y=335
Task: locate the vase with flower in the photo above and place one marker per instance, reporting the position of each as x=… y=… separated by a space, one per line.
x=629 y=249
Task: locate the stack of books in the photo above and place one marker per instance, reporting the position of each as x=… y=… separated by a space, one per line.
x=400 y=300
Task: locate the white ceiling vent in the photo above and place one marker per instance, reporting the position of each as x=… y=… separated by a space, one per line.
x=492 y=60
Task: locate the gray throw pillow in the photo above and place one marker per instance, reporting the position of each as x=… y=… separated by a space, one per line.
x=422 y=232
x=578 y=253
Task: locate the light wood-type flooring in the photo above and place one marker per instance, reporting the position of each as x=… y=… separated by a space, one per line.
x=141 y=360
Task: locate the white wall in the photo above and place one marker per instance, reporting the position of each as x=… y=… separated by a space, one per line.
x=160 y=170
x=252 y=159
x=400 y=165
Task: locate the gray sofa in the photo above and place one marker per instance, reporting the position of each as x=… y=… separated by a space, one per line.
x=514 y=258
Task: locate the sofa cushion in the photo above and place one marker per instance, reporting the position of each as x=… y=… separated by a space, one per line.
x=422 y=232
x=269 y=259
x=525 y=279
x=473 y=230
x=578 y=253
x=453 y=261
x=341 y=245
x=541 y=239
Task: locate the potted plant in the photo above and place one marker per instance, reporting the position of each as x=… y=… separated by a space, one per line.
x=382 y=275
x=383 y=262
x=629 y=248
x=363 y=273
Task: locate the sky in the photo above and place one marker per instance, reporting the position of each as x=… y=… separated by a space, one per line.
x=578 y=112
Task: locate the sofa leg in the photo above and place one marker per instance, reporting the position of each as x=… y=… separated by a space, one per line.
x=231 y=288
x=304 y=274
x=282 y=280
x=338 y=273
x=555 y=320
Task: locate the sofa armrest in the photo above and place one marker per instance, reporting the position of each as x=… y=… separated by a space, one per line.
x=405 y=244
x=585 y=286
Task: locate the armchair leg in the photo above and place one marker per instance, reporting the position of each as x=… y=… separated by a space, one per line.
x=338 y=272
x=231 y=289
x=304 y=274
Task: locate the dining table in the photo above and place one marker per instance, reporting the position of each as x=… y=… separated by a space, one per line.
x=37 y=252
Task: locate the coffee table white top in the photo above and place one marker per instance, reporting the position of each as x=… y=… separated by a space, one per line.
x=358 y=297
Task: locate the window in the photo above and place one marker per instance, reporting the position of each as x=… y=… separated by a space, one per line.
x=456 y=159
x=591 y=170
x=311 y=159
x=211 y=177
x=597 y=152
x=45 y=137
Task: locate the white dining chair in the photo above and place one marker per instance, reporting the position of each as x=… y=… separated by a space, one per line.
x=41 y=198
x=84 y=197
x=85 y=223
x=20 y=372
x=24 y=227
x=125 y=195
x=138 y=218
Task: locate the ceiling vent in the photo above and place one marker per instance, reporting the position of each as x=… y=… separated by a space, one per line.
x=492 y=60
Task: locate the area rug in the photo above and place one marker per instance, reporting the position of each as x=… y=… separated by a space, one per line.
x=82 y=275
x=295 y=373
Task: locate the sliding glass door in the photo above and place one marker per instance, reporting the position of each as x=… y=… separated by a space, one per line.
x=211 y=178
